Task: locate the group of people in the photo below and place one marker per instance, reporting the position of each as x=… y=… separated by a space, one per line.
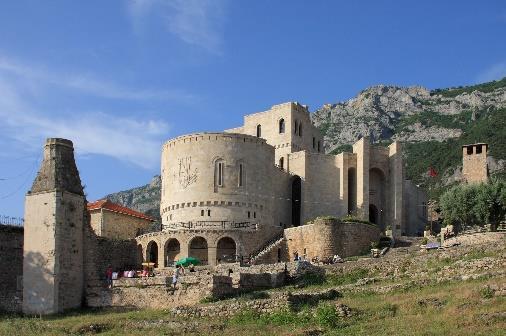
x=111 y=275
x=316 y=260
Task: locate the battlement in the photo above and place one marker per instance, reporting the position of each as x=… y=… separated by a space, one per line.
x=213 y=136
x=477 y=148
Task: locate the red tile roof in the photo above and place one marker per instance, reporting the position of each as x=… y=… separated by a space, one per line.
x=108 y=205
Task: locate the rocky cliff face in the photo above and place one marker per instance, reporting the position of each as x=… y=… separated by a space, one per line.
x=409 y=114
x=145 y=199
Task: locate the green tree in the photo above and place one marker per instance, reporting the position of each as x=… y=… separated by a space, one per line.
x=474 y=204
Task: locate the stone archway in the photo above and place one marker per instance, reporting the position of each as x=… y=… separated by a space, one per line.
x=152 y=253
x=172 y=251
x=377 y=197
x=198 y=248
x=226 y=250
x=373 y=214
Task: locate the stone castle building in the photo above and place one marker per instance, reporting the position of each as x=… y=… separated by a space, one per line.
x=235 y=193
x=253 y=191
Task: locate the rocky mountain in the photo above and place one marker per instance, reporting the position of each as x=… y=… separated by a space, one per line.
x=408 y=114
x=145 y=199
x=433 y=125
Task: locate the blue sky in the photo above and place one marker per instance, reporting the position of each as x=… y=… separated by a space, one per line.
x=120 y=77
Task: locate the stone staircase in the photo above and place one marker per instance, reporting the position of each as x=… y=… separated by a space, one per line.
x=263 y=254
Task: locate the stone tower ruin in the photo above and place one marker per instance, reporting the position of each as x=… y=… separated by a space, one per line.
x=474 y=162
x=53 y=237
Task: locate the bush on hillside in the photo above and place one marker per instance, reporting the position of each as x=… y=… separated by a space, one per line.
x=475 y=204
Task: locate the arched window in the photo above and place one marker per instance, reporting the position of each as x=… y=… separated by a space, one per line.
x=296 y=127
x=259 y=131
x=281 y=162
x=282 y=126
x=300 y=129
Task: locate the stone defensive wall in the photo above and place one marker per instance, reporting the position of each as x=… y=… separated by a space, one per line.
x=11 y=264
x=323 y=238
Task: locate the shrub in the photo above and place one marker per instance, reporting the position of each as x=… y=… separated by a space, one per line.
x=424 y=241
x=326 y=315
x=487 y=292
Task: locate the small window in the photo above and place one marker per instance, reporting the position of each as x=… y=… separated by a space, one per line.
x=296 y=127
x=478 y=149
x=259 y=131
x=281 y=162
x=249 y=214
x=254 y=214
x=241 y=175
x=319 y=146
x=282 y=126
x=209 y=212
x=469 y=150
x=202 y=212
x=314 y=143
x=219 y=173
x=300 y=129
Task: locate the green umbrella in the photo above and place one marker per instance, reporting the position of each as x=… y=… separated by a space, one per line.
x=187 y=261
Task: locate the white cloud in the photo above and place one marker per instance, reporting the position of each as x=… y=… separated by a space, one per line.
x=89 y=84
x=124 y=138
x=196 y=22
x=495 y=72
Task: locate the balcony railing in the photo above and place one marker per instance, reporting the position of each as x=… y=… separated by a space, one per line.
x=12 y=221
x=209 y=225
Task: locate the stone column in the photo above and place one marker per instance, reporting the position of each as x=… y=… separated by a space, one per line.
x=211 y=255
x=396 y=188
x=362 y=149
x=53 y=234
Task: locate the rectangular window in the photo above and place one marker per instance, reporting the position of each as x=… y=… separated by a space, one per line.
x=314 y=143
x=241 y=180
x=254 y=214
x=478 y=149
x=202 y=212
x=249 y=214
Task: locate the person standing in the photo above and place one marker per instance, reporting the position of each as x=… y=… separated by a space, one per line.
x=177 y=273
x=108 y=276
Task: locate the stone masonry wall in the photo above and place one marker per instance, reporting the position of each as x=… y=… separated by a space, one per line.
x=11 y=264
x=326 y=237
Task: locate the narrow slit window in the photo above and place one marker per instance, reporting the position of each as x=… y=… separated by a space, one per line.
x=241 y=175
x=281 y=162
x=209 y=212
x=314 y=142
x=319 y=146
x=259 y=131
x=282 y=126
x=249 y=214
x=202 y=212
